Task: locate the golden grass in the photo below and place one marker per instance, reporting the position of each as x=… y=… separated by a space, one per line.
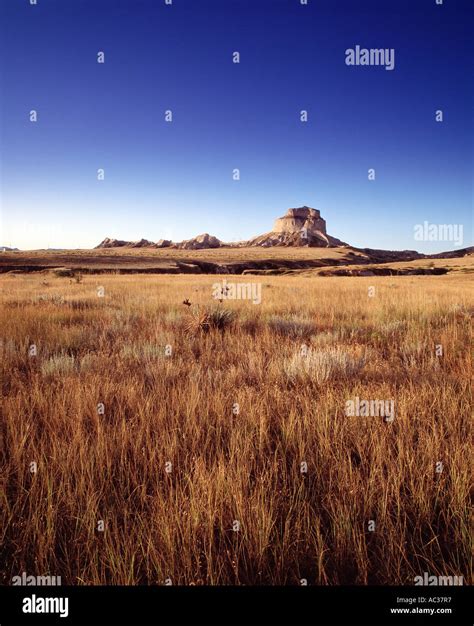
x=236 y=417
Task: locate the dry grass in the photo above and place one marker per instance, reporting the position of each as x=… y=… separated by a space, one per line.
x=236 y=409
x=203 y=320
x=320 y=366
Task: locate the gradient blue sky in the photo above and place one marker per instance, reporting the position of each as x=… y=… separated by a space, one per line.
x=175 y=180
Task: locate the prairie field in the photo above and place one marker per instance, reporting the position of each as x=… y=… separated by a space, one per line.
x=151 y=434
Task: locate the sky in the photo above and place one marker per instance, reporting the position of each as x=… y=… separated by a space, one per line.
x=175 y=180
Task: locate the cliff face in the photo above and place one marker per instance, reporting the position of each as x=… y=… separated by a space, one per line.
x=295 y=220
x=301 y=226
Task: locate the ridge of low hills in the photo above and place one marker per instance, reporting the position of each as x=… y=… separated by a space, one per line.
x=299 y=227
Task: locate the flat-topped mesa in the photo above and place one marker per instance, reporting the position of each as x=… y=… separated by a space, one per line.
x=301 y=226
x=296 y=220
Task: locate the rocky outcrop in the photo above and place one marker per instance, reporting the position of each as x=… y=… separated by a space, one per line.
x=296 y=220
x=113 y=243
x=301 y=226
x=143 y=243
x=200 y=242
x=118 y=243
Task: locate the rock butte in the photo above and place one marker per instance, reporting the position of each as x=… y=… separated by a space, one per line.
x=296 y=219
x=302 y=226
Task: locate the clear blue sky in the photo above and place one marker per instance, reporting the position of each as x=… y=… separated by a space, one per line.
x=174 y=180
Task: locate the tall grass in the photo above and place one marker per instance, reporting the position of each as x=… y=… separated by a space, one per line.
x=194 y=459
